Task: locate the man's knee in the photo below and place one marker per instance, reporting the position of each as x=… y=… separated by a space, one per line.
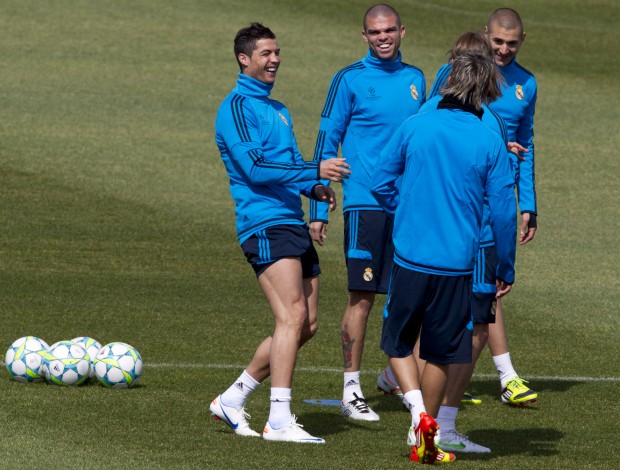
x=480 y=336
x=361 y=301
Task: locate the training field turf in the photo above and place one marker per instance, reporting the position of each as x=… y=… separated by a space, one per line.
x=117 y=223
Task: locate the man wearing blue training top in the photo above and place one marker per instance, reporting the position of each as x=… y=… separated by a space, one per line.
x=516 y=106
x=438 y=206
x=366 y=102
x=267 y=174
x=484 y=295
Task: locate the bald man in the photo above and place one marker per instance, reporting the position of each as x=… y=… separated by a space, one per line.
x=366 y=102
x=516 y=106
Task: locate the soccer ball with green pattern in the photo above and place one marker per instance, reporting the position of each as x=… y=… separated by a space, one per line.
x=24 y=359
x=118 y=365
x=92 y=347
x=66 y=363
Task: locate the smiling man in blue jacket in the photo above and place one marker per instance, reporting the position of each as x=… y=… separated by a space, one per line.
x=267 y=175
x=366 y=102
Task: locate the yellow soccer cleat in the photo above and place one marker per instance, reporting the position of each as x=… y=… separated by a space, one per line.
x=516 y=393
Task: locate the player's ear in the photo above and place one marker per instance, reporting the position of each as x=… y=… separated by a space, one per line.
x=243 y=59
x=522 y=37
x=402 y=31
x=364 y=35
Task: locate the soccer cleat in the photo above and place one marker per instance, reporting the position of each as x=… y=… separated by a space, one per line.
x=456 y=442
x=516 y=393
x=293 y=432
x=470 y=399
x=422 y=438
x=442 y=457
x=236 y=418
x=388 y=387
x=358 y=409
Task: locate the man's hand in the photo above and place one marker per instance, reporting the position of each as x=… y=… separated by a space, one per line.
x=528 y=227
x=501 y=288
x=318 y=232
x=516 y=148
x=334 y=169
x=318 y=229
x=325 y=194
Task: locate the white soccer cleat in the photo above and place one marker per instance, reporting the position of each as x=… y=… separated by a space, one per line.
x=388 y=387
x=453 y=441
x=358 y=409
x=236 y=418
x=291 y=433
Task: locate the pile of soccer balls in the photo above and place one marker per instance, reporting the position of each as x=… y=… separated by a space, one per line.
x=81 y=360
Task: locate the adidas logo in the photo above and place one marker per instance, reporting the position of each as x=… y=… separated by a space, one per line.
x=350 y=383
x=245 y=218
x=239 y=385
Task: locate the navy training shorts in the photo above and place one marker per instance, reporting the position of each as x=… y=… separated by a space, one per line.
x=438 y=306
x=483 y=301
x=267 y=246
x=368 y=250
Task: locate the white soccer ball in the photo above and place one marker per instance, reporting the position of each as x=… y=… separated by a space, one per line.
x=24 y=359
x=66 y=363
x=118 y=365
x=92 y=346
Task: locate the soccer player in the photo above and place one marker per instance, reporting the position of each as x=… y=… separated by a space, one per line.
x=267 y=175
x=516 y=106
x=483 y=302
x=438 y=205
x=366 y=102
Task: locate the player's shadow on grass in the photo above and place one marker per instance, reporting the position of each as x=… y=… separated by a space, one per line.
x=327 y=423
x=537 y=442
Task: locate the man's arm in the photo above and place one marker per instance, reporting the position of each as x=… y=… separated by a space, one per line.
x=245 y=149
x=526 y=184
x=499 y=190
x=335 y=118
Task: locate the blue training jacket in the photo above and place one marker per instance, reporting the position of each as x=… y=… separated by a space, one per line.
x=449 y=161
x=366 y=102
x=516 y=106
x=495 y=122
x=267 y=173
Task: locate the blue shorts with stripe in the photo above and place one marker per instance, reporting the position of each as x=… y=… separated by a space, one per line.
x=483 y=302
x=368 y=250
x=432 y=308
x=267 y=246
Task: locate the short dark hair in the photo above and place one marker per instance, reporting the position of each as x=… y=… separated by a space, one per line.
x=506 y=18
x=381 y=9
x=246 y=38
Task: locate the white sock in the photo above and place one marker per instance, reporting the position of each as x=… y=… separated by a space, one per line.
x=506 y=372
x=446 y=418
x=351 y=386
x=238 y=392
x=280 y=410
x=413 y=400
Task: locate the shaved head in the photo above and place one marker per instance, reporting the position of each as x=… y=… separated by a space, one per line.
x=505 y=18
x=380 y=10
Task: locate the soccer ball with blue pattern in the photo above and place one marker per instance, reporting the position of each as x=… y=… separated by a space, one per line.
x=92 y=347
x=66 y=363
x=24 y=359
x=118 y=365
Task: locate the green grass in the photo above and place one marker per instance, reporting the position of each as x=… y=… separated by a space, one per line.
x=117 y=223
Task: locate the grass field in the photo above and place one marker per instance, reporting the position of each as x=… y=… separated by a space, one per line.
x=117 y=223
